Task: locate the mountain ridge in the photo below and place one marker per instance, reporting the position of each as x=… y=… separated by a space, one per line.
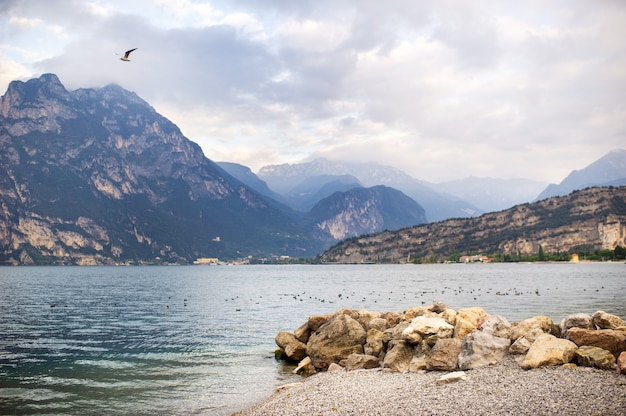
x=593 y=218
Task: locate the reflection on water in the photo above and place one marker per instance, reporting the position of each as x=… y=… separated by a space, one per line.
x=179 y=340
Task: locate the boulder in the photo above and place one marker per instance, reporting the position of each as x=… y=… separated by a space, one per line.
x=395 y=332
x=609 y=339
x=605 y=320
x=449 y=315
x=360 y=362
x=519 y=329
x=378 y=323
x=398 y=357
x=412 y=313
x=578 y=320
x=522 y=344
x=418 y=363
x=393 y=318
x=374 y=342
x=438 y=307
x=587 y=356
x=621 y=363
x=427 y=328
x=549 y=350
x=335 y=340
x=315 y=322
x=294 y=350
x=480 y=349
x=364 y=317
x=496 y=325
x=444 y=356
x=303 y=333
x=305 y=368
x=467 y=321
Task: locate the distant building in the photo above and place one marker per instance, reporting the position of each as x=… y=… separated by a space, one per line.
x=475 y=259
x=207 y=260
x=575 y=258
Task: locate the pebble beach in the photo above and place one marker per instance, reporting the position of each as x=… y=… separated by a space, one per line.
x=496 y=390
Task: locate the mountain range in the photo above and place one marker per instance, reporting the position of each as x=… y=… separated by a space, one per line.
x=97 y=176
x=287 y=179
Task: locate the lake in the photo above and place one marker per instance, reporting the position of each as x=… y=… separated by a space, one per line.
x=200 y=339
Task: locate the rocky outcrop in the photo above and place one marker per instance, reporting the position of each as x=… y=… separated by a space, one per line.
x=424 y=339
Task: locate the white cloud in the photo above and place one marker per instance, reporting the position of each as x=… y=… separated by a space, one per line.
x=441 y=89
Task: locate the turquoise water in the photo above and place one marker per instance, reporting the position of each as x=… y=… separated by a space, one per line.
x=200 y=340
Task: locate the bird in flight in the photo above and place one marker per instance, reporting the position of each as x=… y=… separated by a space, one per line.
x=126 y=55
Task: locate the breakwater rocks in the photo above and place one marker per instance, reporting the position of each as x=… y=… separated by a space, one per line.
x=438 y=338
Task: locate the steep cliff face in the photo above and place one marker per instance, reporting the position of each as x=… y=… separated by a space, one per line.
x=363 y=211
x=592 y=218
x=98 y=176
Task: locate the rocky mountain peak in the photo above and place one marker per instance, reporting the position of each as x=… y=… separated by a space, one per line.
x=35 y=105
x=97 y=176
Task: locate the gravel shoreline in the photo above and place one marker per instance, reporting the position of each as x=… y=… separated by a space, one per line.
x=502 y=389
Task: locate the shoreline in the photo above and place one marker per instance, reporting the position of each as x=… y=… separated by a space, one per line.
x=505 y=388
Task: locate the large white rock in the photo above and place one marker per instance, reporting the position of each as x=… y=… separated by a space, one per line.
x=480 y=349
x=427 y=328
x=496 y=325
x=577 y=320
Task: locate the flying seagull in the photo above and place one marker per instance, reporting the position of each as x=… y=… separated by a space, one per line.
x=125 y=57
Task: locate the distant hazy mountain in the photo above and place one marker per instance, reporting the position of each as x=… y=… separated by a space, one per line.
x=491 y=194
x=438 y=206
x=608 y=170
x=315 y=188
x=246 y=176
x=361 y=211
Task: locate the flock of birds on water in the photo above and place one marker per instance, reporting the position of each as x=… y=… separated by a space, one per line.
x=404 y=296
x=374 y=296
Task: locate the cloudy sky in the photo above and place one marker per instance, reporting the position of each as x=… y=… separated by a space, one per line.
x=440 y=89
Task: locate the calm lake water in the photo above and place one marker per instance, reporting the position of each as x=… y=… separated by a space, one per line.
x=200 y=340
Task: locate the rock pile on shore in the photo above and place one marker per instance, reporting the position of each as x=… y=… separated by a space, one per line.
x=438 y=338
